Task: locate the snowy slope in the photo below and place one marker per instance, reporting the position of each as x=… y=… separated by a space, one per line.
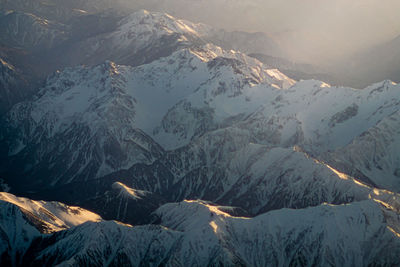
x=138 y=38
x=16 y=233
x=374 y=155
x=53 y=216
x=323 y=117
x=224 y=166
x=143 y=36
x=105 y=244
x=59 y=34
x=212 y=86
x=81 y=125
x=100 y=112
x=195 y=233
x=222 y=108
x=23 y=220
x=342 y=235
x=195 y=122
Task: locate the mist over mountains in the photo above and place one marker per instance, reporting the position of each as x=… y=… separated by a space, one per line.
x=131 y=136
x=342 y=46
x=346 y=40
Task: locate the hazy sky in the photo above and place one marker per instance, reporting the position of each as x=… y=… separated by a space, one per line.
x=310 y=29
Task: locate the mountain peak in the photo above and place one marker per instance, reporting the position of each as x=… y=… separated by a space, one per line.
x=144 y=20
x=129 y=192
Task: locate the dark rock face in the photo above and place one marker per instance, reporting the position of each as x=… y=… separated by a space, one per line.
x=344 y=115
x=125 y=204
x=12 y=86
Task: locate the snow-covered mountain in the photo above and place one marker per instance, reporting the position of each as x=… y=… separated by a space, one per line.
x=195 y=233
x=40 y=37
x=106 y=114
x=138 y=38
x=49 y=217
x=282 y=237
x=258 y=178
x=185 y=119
x=29 y=31
x=327 y=117
x=229 y=123
x=144 y=36
x=23 y=220
x=223 y=166
x=17 y=232
x=90 y=127
x=373 y=155
x=226 y=167
x=124 y=204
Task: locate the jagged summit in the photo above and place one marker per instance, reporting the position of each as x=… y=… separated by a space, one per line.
x=129 y=192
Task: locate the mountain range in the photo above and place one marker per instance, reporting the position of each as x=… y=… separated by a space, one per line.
x=200 y=233
x=202 y=154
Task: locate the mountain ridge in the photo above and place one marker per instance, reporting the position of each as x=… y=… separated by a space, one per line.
x=202 y=154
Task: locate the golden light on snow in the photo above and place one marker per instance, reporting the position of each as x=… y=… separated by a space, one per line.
x=341 y=175
x=376 y=192
x=58 y=216
x=393 y=231
x=214 y=226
